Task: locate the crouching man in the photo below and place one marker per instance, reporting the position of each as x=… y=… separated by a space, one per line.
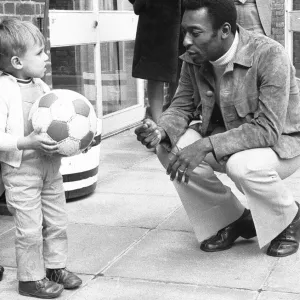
x=242 y=88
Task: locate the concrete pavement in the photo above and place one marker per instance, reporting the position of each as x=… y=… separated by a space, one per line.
x=132 y=240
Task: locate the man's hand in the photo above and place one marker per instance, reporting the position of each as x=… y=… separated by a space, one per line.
x=149 y=134
x=186 y=160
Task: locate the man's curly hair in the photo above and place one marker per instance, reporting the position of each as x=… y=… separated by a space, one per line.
x=220 y=11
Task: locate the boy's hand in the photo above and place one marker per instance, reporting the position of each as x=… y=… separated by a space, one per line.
x=38 y=141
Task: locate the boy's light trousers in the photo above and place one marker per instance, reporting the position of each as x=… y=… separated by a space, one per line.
x=36 y=199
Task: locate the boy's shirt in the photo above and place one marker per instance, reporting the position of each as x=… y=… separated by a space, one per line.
x=12 y=118
x=30 y=93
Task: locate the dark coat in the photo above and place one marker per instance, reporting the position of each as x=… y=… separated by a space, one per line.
x=157 y=44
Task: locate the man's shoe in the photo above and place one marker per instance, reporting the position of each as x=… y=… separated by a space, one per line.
x=40 y=289
x=68 y=279
x=287 y=242
x=225 y=237
x=1 y=272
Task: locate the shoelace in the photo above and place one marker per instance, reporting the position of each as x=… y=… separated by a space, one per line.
x=56 y=275
x=222 y=230
x=41 y=283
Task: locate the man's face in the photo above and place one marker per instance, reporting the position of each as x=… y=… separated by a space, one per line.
x=201 y=41
x=34 y=62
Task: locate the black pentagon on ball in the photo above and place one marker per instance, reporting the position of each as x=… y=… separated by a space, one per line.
x=58 y=130
x=86 y=140
x=47 y=100
x=81 y=108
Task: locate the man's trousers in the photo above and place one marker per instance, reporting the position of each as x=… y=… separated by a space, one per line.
x=257 y=173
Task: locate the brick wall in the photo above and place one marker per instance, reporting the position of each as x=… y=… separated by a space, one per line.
x=296 y=43
x=278 y=16
x=26 y=10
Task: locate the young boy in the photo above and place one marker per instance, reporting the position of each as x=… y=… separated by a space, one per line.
x=33 y=184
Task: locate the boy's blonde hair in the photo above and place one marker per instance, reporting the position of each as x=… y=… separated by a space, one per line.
x=15 y=38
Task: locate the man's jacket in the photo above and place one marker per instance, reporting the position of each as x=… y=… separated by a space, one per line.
x=259 y=100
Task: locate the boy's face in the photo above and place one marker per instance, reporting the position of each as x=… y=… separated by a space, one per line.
x=33 y=62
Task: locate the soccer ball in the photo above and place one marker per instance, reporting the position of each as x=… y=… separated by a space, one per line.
x=67 y=117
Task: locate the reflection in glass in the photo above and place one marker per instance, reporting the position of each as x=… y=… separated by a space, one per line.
x=119 y=88
x=296 y=4
x=73 y=68
x=115 y=5
x=71 y=4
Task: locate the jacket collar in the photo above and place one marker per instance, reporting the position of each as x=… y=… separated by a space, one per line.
x=243 y=55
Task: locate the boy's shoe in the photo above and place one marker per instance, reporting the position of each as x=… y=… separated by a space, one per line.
x=1 y=272
x=68 y=279
x=44 y=289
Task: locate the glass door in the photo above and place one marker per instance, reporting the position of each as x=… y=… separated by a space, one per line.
x=122 y=95
x=92 y=45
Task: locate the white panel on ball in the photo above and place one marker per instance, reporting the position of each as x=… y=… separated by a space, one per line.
x=62 y=110
x=79 y=126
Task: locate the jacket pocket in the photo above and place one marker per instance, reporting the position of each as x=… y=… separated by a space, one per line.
x=242 y=112
x=246 y=109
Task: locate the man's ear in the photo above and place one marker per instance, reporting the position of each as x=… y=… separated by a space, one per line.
x=16 y=62
x=226 y=30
